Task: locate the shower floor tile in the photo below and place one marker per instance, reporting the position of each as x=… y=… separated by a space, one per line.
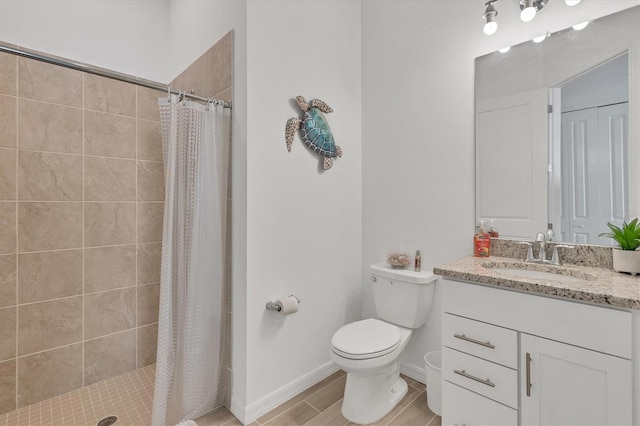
x=130 y=396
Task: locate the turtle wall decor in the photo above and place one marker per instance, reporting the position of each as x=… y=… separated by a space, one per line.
x=314 y=130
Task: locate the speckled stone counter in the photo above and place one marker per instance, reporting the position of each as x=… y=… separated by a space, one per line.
x=602 y=286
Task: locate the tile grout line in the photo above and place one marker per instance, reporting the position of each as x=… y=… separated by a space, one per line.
x=76 y=154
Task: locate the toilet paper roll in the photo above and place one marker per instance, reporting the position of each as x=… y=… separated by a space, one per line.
x=288 y=305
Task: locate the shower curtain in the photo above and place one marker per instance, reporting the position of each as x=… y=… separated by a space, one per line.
x=190 y=379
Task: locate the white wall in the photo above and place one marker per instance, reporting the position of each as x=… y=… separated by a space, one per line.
x=417 y=109
x=122 y=35
x=303 y=225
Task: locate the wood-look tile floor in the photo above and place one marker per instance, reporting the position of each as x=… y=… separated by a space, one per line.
x=320 y=405
x=129 y=397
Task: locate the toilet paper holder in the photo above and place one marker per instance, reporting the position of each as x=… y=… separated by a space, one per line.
x=273 y=307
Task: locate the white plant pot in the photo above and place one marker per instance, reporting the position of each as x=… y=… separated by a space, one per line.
x=626 y=261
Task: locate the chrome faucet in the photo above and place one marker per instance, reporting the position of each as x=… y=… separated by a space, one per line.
x=542 y=253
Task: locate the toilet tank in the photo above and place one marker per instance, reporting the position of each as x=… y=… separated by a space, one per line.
x=401 y=296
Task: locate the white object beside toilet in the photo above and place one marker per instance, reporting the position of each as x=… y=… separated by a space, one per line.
x=369 y=350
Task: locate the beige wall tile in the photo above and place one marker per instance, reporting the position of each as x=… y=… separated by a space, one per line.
x=109 y=224
x=35 y=82
x=50 y=324
x=49 y=127
x=109 y=135
x=225 y=95
x=109 y=179
x=47 y=374
x=109 y=356
x=150 y=181
x=108 y=95
x=7 y=386
x=49 y=226
x=108 y=268
x=8 y=174
x=149 y=141
x=8 y=121
x=109 y=312
x=8 y=269
x=49 y=275
x=150 y=222
x=210 y=73
x=148 y=103
x=44 y=176
x=148 y=304
x=149 y=258
x=7 y=333
x=7 y=227
x=8 y=75
x=147 y=344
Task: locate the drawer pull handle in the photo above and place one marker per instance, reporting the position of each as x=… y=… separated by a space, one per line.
x=477 y=342
x=477 y=379
x=528 y=358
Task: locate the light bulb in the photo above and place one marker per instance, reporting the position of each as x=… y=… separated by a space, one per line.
x=540 y=39
x=504 y=49
x=490 y=27
x=581 y=26
x=528 y=14
x=528 y=10
x=572 y=2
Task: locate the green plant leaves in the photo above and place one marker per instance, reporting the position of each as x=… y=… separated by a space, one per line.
x=627 y=237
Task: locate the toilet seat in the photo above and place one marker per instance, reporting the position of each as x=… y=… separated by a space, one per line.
x=366 y=339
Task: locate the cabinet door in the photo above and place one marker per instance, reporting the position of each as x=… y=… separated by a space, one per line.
x=568 y=385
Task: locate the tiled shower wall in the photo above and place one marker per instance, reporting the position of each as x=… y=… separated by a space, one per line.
x=81 y=191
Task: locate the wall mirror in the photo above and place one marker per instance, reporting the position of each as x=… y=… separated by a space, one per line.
x=557 y=131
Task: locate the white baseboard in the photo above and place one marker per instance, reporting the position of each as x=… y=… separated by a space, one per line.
x=416 y=373
x=248 y=414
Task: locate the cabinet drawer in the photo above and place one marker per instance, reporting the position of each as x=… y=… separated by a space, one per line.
x=486 y=378
x=463 y=407
x=483 y=340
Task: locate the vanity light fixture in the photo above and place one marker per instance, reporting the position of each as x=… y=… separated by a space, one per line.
x=528 y=10
x=581 y=26
x=504 y=49
x=489 y=16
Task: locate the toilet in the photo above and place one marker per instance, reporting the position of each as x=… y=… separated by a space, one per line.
x=369 y=350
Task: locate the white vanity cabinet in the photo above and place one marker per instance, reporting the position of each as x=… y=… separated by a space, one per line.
x=515 y=358
x=567 y=385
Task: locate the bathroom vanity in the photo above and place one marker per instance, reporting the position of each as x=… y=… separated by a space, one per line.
x=533 y=345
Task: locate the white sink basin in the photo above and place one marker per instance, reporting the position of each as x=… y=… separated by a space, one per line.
x=538 y=271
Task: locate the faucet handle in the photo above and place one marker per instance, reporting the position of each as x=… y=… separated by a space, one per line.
x=529 y=257
x=555 y=258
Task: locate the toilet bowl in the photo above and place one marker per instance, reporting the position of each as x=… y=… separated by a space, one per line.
x=369 y=350
x=374 y=385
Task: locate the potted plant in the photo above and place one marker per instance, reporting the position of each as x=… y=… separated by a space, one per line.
x=626 y=258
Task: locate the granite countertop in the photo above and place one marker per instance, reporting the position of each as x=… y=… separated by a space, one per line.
x=602 y=285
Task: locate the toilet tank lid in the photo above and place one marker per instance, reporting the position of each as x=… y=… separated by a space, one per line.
x=407 y=275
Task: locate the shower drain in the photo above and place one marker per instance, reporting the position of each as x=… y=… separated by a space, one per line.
x=108 y=421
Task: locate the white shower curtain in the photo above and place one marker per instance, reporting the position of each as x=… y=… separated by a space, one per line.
x=191 y=331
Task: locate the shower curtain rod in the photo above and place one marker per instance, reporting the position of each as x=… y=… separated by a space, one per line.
x=79 y=66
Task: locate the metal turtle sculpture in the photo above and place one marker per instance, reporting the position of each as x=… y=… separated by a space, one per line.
x=315 y=130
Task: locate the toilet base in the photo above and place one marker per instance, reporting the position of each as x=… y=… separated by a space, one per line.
x=368 y=398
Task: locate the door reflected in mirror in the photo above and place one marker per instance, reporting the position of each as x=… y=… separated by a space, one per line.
x=555 y=143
